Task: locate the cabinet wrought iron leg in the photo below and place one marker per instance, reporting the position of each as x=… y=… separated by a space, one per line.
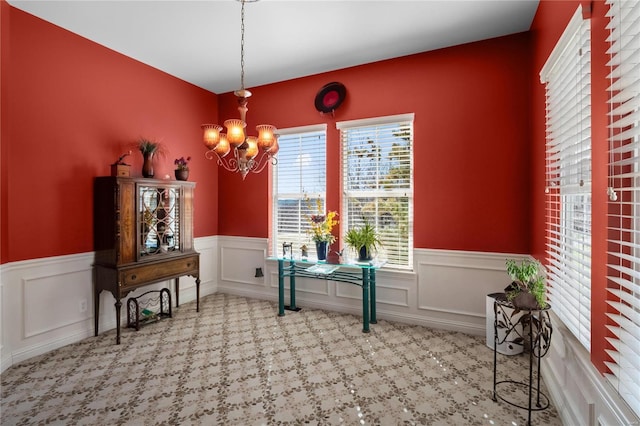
x=96 y=311
x=198 y=294
x=118 y=306
x=177 y=292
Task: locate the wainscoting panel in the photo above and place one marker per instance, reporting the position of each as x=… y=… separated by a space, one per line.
x=348 y=291
x=41 y=305
x=208 y=249
x=42 y=316
x=308 y=286
x=239 y=258
x=453 y=285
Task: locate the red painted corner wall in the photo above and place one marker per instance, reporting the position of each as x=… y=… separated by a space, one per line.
x=70 y=107
x=550 y=21
x=4 y=126
x=472 y=137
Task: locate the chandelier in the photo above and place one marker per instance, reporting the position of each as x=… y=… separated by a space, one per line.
x=235 y=150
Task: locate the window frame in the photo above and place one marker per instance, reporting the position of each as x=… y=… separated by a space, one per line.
x=405 y=192
x=567 y=79
x=300 y=237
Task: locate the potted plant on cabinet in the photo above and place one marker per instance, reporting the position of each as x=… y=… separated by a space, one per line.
x=182 y=168
x=364 y=240
x=149 y=149
x=527 y=290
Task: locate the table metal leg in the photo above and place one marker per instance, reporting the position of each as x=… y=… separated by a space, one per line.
x=292 y=292
x=280 y=288
x=365 y=301
x=372 y=295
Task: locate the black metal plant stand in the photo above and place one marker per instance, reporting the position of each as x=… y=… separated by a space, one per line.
x=539 y=329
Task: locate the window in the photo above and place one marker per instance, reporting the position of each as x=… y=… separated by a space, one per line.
x=623 y=277
x=567 y=79
x=299 y=181
x=377 y=182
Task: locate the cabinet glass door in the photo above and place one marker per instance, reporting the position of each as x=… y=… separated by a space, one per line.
x=159 y=210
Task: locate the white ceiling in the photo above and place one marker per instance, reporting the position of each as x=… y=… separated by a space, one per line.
x=199 y=41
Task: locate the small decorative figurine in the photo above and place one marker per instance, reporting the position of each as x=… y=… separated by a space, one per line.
x=120 y=168
x=305 y=251
x=286 y=249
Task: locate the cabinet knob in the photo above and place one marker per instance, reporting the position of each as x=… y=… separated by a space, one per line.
x=188 y=264
x=133 y=276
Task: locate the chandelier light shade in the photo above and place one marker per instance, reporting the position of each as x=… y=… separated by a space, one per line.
x=250 y=153
x=211 y=135
x=266 y=136
x=235 y=131
x=223 y=147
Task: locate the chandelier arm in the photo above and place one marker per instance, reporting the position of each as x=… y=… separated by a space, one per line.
x=228 y=163
x=211 y=154
x=257 y=166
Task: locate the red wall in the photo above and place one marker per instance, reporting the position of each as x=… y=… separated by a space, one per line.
x=472 y=137
x=551 y=19
x=70 y=108
x=4 y=126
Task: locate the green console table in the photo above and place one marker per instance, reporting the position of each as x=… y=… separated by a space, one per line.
x=360 y=274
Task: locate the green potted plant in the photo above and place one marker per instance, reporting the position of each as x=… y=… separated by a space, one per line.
x=364 y=240
x=527 y=290
x=148 y=148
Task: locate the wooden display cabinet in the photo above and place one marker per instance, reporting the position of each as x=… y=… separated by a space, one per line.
x=143 y=234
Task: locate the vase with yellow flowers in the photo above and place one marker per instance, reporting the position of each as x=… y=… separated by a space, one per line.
x=321 y=226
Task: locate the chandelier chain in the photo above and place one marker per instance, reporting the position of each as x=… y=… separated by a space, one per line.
x=242 y=47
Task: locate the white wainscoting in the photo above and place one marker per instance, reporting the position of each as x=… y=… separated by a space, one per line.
x=48 y=303
x=580 y=393
x=446 y=289
x=39 y=308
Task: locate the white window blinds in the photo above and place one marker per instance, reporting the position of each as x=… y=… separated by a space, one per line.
x=377 y=183
x=623 y=281
x=567 y=79
x=299 y=180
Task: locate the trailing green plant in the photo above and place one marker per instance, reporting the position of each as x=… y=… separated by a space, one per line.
x=527 y=276
x=363 y=236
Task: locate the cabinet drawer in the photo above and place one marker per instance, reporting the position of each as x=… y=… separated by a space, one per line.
x=146 y=274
